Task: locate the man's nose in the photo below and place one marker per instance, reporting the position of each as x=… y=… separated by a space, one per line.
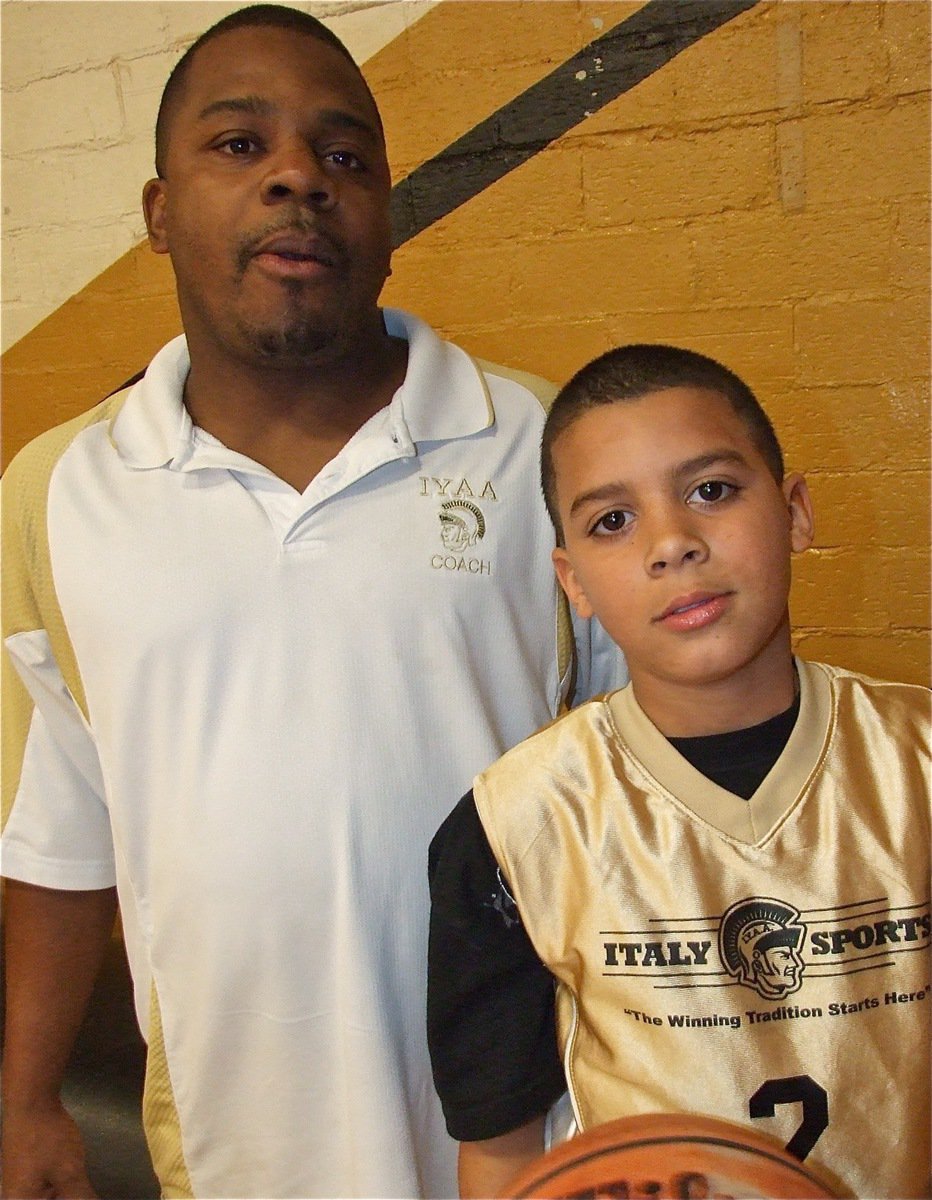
x=296 y=173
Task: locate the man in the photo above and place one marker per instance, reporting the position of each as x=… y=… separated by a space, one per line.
x=249 y=676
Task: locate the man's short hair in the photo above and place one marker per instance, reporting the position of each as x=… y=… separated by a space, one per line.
x=275 y=16
x=632 y=372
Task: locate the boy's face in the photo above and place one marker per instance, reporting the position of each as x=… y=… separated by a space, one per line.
x=678 y=538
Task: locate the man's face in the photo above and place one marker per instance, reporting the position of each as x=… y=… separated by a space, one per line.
x=274 y=205
x=678 y=538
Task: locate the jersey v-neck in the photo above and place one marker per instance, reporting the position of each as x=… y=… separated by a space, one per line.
x=750 y=820
x=740 y=759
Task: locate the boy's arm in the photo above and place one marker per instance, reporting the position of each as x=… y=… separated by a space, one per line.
x=491 y=1025
x=55 y=942
x=486 y=1168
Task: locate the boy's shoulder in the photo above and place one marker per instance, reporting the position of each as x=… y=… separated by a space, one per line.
x=560 y=740
x=592 y=730
x=881 y=696
x=515 y=797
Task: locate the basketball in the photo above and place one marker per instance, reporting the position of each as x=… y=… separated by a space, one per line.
x=669 y=1156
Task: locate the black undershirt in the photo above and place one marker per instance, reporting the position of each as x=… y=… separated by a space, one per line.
x=490 y=1004
x=739 y=761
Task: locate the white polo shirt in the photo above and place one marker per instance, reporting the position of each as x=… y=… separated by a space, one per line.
x=251 y=709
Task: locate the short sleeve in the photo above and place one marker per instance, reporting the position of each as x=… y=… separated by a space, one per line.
x=490 y=1001
x=56 y=827
x=57 y=832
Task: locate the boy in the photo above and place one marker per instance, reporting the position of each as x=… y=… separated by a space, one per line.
x=724 y=866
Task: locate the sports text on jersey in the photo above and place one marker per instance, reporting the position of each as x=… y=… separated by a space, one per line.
x=768 y=946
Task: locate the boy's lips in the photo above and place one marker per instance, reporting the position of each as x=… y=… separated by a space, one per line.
x=694 y=611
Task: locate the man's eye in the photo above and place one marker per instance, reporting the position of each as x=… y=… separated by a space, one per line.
x=345 y=158
x=238 y=145
x=712 y=491
x=612 y=522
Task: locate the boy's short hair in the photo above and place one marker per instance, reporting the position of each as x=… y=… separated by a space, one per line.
x=631 y=372
x=254 y=16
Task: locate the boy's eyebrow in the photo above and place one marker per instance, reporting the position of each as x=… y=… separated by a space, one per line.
x=258 y=106
x=702 y=462
x=713 y=458
x=608 y=491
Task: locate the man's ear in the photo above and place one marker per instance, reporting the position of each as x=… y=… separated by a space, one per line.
x=570 y=584
x=154 y=201
x=799 y=503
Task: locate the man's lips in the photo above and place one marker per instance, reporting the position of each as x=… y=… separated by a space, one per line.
x=298 y=248
x=291 y=253
x=694 y=611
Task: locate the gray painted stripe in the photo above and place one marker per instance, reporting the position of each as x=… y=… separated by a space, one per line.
x=624 y=56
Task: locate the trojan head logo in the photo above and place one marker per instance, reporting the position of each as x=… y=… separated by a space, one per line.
x=461 y=525
x=759 y=942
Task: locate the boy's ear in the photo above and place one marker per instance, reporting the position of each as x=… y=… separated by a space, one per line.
x=799 y=503
x=570 y=584
x=154 y=200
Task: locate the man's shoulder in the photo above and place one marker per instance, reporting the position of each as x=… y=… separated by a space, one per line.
x=543 y=390
x=32 y=467
x=475 y=390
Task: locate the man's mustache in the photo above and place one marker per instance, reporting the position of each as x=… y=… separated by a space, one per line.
x=303 y=230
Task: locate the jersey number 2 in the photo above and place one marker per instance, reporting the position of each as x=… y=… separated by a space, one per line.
x=797 y=1089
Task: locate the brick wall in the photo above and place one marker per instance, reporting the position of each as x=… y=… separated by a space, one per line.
x=763 y=197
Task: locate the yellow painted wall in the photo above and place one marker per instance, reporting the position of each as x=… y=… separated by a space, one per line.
x=763 y=198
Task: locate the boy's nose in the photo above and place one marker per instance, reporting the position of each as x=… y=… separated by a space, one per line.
x=674 y=546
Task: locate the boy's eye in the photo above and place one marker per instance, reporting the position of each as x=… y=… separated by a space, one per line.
x=711 y=491
x=612 y=522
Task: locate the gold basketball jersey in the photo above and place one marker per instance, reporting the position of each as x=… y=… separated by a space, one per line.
x=764 y=960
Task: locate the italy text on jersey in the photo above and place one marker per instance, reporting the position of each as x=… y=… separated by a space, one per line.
x=774 y=951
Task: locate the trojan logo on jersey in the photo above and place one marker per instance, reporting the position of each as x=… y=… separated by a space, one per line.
x=461 y=525
x=759 y=942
